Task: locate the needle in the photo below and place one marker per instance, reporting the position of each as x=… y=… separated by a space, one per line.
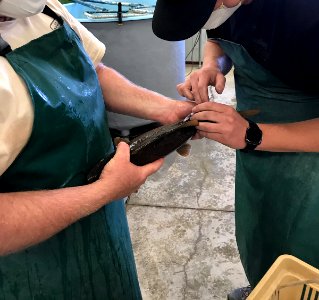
x=188 y=117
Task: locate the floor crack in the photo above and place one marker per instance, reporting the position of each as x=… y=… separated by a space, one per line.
x=198 y=195
x=192 y=254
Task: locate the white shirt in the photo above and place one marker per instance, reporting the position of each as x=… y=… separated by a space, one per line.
x=16 y=108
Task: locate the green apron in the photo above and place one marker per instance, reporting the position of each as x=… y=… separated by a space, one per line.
x=277 y=195
x=93 y=258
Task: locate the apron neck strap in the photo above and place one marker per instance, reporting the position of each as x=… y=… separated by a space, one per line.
x=5 y=47
x=49 y=12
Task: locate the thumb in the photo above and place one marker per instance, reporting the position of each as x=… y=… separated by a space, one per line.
x=123 y=151
x=220 y=83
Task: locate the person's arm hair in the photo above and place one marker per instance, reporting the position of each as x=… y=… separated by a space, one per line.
x=123 y=96
x=291 y=137
x=213 y=55
x=228 y=127
x=28 y=218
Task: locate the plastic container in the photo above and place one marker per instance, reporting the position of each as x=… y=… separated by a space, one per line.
x=289 y=278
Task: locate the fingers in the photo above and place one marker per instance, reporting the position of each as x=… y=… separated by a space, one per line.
x=185 y=90
x=203 y=84
x=212 y=106
x=123 y=153
x=196 y=85
x=208 y=128
x=200 y=81
x=194 y=78
x=209 y=117
x=210 y=135
x=221 y=123
x=204 y=78
x=220 y=83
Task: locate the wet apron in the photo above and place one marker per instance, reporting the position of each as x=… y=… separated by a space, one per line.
x=277 y=194
x=93 y=258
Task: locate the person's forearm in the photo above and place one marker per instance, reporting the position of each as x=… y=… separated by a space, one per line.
x=211 y=52
x=28 y=218
x=292 y=137
x=213 y=56
x=123 y=96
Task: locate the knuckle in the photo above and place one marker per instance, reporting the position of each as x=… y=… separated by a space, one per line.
x=230 y=121
x=229 y=110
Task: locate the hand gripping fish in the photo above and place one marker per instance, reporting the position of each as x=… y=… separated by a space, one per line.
x=157 y=143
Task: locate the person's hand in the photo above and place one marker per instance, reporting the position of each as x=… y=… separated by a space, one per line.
x=196 y=84
x=221 y=123
x=176 y=110
x=121 y=177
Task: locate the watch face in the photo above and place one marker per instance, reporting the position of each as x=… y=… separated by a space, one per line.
x=253 y=134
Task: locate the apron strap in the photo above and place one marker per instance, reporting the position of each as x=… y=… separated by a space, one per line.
x=49 y=12
x=5 y=47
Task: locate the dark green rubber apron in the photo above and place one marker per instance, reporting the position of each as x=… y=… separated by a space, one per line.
x=93 y=258
x=277 y=194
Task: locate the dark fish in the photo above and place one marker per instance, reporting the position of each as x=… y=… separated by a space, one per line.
x=158 y=143
x=153 y=144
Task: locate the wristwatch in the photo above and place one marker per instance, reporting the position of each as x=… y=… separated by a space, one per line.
x=253 y=136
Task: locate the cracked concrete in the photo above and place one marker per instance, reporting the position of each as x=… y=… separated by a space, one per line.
x=182 y=224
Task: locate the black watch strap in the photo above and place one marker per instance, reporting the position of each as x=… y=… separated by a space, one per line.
x=253 y=136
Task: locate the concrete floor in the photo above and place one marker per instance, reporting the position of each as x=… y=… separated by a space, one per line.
x=182 y=224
